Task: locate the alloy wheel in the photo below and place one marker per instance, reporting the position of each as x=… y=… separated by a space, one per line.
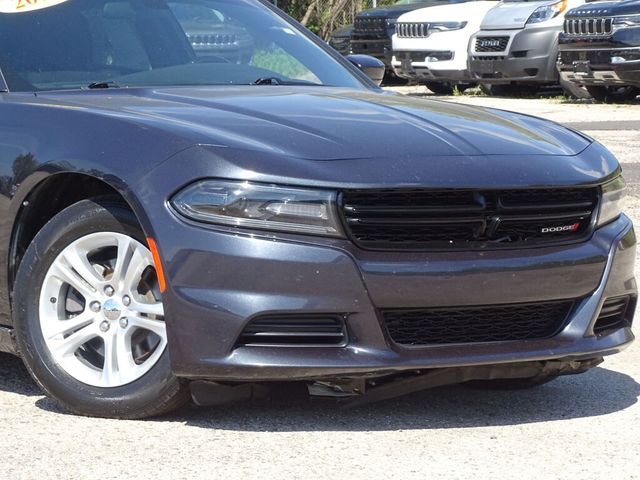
x=101 y=314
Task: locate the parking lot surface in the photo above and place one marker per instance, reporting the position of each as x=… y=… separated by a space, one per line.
x=581 y=427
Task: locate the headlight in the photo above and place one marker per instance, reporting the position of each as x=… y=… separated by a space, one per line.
x=542 y=14
x=267 y=207
x=446 y=26
x=613 y=194
x=627 y=21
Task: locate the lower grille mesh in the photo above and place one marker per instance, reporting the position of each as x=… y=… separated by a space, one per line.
x=494 y=323
x=294 y=331
x=615 y=314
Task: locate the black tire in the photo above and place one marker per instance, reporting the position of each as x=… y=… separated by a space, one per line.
x=156 y=392
x=392 y=80
x=613 y=94
x=512 y=383
x=510 y=90
x=575 y=90
x=440 y=88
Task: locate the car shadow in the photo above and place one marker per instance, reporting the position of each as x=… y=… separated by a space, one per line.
x=288 y=409
x=596 y=393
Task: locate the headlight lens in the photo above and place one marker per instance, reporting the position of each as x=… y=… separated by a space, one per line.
x=613 y=194
x=547 y=12
x=446 y=26
x=627 y=21
x=266 y=207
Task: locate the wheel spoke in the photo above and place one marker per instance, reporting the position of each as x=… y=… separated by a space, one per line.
x=76 y=259
x=140 y=259
x=64 y=327
x=126 y=249
x=118 y=358
x=156 y=309
x=70 y=344
x=67 y=275
x=110 y=367
x=156 y=326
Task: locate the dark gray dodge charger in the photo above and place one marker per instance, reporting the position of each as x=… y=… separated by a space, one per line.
x=181 y=225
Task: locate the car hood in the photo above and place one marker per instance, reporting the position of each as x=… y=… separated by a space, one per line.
x=511 y=15
x=326 y=123
x=446 y=13
x=394 y=11
x=628 y=7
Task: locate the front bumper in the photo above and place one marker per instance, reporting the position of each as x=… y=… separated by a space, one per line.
x=529 y=57
x=376 y=46
x=415 y=66
x=600 y=66
x=219 y=280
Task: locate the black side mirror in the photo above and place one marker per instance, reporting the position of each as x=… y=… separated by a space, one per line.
x=370 y=66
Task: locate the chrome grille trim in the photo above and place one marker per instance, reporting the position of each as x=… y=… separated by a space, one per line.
x=412 y=30
x=585 y=27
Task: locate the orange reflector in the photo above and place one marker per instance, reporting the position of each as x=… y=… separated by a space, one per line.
x=156 y=260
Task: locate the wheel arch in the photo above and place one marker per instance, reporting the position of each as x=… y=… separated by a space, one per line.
x=48 y=197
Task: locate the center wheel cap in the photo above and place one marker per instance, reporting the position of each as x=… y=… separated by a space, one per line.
x=111 y=309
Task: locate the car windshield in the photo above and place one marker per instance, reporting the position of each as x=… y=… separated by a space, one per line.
x=71 y=44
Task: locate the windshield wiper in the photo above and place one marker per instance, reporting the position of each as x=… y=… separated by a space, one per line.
x=267 y=81
x=280 y=81
x=97 y=85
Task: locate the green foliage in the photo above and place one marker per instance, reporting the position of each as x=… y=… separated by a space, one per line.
x=278 y=61
x=324 y=16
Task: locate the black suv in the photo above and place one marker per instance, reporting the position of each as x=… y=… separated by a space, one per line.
x=600 y=48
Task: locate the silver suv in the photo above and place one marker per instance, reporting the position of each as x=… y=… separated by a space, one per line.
x=516 y=49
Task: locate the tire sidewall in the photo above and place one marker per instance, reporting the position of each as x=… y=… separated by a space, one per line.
x=81 y=219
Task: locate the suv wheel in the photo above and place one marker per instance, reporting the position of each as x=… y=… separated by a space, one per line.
x=613 y=94
x=440 y=88
x=89 y=319
x=511 y=90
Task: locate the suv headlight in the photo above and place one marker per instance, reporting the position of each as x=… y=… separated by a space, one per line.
x=260 y=206
x=613 y=194
x=547 y=12
x=627 y=21
x=446 y=26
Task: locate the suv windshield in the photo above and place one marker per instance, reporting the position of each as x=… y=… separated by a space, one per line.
x=71 y=44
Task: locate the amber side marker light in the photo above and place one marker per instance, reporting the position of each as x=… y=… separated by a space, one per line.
x=158 y=264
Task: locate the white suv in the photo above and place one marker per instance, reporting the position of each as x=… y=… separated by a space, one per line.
x=431 y=44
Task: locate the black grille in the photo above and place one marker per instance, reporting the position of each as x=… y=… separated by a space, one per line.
x=485 y=58
x=370 y=25
x=582 y=27
x=615 y=313
x=491 y=44
x=464 y=219
x=421 y=56
x=495 y=323
x=287 y=330
x=213 y=39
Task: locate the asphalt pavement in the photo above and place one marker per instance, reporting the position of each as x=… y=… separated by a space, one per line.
x=579 y=427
